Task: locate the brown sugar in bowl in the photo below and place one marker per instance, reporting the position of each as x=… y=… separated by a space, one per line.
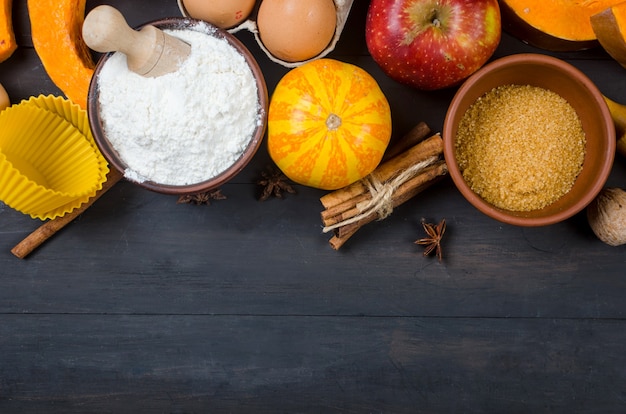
x=579 y=91
x=110 y=153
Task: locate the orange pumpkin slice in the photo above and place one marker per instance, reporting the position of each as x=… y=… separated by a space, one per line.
x=7 y=37
x=329 y=124
x=557 y=25
x=610 y=28
x=56 y=27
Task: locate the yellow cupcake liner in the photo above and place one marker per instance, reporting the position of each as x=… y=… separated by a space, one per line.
x=66 y=109
x=77 y=116
x=72 y=113
x=49 y=163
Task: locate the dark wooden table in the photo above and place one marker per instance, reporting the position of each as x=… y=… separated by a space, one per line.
x=146 y=305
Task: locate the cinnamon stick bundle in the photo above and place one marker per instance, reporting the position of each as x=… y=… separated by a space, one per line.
x=432 y=146
x=401 y=176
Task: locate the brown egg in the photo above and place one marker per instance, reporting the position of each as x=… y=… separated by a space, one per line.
x=221 y=13
x=296 y=30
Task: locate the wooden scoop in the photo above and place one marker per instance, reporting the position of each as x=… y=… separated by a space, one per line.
x=150 y=52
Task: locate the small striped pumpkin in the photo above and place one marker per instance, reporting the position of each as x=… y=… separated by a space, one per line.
x=329 y=124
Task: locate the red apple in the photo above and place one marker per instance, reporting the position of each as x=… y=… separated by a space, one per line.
x=432 y=44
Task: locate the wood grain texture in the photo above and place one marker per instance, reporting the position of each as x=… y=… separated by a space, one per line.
x=145 y=305
x=224 y=363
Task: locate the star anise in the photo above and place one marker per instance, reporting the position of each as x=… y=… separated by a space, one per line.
x=201 y=198
x=432 y=243
x=274 y=183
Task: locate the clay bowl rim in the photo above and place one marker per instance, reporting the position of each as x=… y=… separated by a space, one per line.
x=179 y=23
x=596 y=99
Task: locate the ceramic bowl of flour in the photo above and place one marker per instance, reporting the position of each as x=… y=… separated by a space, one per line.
x=188 y=131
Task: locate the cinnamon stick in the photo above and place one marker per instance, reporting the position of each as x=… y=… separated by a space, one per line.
x=329 y=215
x=412 y=138
x=336 y=241
x=404 y=193
x=51 y=227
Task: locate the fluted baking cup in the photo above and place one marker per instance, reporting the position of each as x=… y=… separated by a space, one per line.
x=72 y=113
x=48 y=167
x=77 y=116
x=66 y=109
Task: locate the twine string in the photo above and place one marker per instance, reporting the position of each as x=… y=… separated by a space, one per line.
x=381 y=201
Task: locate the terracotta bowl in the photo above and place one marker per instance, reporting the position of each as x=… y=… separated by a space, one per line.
x=564 y=79
x=110 y=153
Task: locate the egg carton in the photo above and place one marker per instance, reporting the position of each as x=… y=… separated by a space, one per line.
x=343 y=10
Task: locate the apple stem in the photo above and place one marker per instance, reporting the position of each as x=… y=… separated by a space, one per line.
x=424 y=16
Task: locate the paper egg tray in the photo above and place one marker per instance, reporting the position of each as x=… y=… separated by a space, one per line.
x=343 y=10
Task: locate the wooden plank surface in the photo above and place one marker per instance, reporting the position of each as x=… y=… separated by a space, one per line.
x=226 y=363
x=146 y=305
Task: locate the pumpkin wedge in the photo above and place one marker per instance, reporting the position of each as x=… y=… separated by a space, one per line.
x=610 y=28
x=7 y=37
x=618 y=114
x=56 y=27
x=5 y=101
x=556 y=25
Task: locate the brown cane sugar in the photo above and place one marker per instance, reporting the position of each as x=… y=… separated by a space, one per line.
x=520 y=147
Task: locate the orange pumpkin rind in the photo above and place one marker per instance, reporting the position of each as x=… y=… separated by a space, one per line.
x=555 y=25
x=56 y=28
x=8 y=44
x=610 y=28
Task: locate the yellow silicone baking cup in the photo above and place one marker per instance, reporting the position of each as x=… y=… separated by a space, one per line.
x=77 y=116
x=48 y=166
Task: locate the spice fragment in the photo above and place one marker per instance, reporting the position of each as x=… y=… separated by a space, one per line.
x=201 y=198
x=274 y=183
x=432 y=243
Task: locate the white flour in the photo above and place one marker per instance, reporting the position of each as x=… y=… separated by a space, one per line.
x=183 y=127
